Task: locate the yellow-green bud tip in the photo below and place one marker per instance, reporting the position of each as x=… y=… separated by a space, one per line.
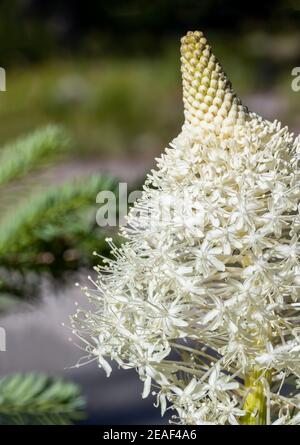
x=207 y=93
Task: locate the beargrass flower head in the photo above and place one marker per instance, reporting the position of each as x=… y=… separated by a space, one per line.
x=202 y=299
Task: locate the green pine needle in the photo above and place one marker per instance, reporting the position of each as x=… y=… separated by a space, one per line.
x=30 y=152
x=60 y=212
x=34 y=399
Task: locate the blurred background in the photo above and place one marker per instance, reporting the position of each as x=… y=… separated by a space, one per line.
x=93 y=94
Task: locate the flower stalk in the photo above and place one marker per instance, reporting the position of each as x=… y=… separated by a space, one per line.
x=255 y=404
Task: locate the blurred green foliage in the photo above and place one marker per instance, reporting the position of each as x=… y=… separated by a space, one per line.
x=53 y=231
x=108 y=106
x=33 y=30
x=44 y=231
x=134 y=105
x=21 y=157
x=34 y=399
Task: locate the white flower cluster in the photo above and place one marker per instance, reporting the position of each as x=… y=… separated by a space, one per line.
x=203 y=296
